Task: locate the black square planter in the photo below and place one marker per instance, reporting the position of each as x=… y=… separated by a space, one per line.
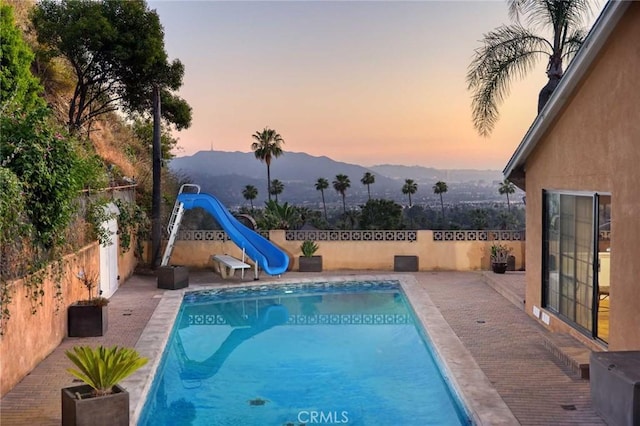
x=107 y=410
x=173 y=277
x=499 y=267
x=310 y=264
x=87 y=320
x=405 y=263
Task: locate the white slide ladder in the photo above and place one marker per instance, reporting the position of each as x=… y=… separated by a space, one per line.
x=174 y=225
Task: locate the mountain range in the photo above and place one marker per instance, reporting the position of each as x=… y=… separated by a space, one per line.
x=225 y=174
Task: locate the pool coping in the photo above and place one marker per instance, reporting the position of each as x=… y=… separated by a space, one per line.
x=484 y=405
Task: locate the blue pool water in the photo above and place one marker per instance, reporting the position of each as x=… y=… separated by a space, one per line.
x=322 y=353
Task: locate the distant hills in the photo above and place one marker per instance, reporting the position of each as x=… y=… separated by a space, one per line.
x=225 y=174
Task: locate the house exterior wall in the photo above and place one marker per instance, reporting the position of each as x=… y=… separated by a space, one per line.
x=594 y=145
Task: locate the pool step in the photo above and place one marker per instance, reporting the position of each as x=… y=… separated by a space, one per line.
x=570 y=351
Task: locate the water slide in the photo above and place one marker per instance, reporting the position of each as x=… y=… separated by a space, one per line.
x=269 y=257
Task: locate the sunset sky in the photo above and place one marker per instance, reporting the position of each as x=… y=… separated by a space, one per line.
x=361 y=82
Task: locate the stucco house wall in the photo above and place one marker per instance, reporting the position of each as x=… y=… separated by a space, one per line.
x=594 y=145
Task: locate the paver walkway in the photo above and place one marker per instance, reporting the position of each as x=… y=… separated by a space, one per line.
x=504 y=341
x=508 y=346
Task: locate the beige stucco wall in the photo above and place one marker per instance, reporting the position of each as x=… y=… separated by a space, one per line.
x=361 y=255
x=594 y=145
x=29 y=338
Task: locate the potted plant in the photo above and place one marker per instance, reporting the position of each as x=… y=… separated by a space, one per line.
x=499 y=256
x=87 y=318
x=309 y=262
x=100 y=400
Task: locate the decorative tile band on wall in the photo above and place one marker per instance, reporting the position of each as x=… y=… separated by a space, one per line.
x=208 y=235
x=337 y=235
x=605 y=235
x=478 y=235
x=317 y=319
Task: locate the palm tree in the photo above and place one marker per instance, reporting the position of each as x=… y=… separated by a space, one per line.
x=368 y=179
x=341 y=184
x=267 y=145
x=276 y=188
x=250 y=193
x=507 y=188
x=409 y=188
x=321 y=185
x=511 y=51
x=440 y=188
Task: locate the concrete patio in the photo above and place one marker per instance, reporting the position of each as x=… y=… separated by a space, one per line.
x=483 y=309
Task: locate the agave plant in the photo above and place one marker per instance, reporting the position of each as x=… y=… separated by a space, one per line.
x=308 y=248
x=103 y=368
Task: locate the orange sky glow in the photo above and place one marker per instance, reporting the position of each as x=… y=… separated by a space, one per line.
x=361 y=82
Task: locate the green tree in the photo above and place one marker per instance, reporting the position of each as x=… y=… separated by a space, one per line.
x=341 y=184
x=381 y=214
x=479 y=219
x=267 y=145
x=350 y=219
x=17 y=84
x=142 y=127
x=276 y=188
x=250 y=193
x=511 y=51
x=321 y=185
x=368 y=179
x=440 y=188
x=280 y=216
x=507 y=188
x=116 y=51
x=410 y=187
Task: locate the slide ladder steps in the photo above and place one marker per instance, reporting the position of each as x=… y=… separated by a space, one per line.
x=172 y=229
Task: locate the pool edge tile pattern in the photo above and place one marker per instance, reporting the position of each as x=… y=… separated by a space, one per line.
x=484 y=404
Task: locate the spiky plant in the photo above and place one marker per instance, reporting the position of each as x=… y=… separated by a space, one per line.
x=103 y=368
x=308 y=248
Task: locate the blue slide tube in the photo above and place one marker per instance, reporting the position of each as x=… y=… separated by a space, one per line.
x=268 y=256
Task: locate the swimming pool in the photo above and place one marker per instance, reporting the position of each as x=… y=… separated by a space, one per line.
x=315 y=353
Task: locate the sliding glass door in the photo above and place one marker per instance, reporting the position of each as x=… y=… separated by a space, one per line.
x=571 y=263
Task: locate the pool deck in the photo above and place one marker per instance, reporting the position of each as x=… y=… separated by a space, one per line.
x=483 y=310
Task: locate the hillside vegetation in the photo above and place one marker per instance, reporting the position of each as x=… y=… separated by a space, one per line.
x=76 y=125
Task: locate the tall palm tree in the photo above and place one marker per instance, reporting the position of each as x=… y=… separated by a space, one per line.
x=409 y=188
x=250 y=193
x=511 y=51
x=321 y=185
x=440 y=188
x=276 y=188
x=507 y=188
x=267 y=145
x=368 y=179
x=341 y=184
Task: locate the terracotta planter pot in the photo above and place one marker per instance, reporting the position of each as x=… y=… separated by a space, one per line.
x=87 y=320
x=310 y=264
x=108 y=410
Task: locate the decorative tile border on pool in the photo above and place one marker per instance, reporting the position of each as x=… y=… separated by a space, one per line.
x=484 y=404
